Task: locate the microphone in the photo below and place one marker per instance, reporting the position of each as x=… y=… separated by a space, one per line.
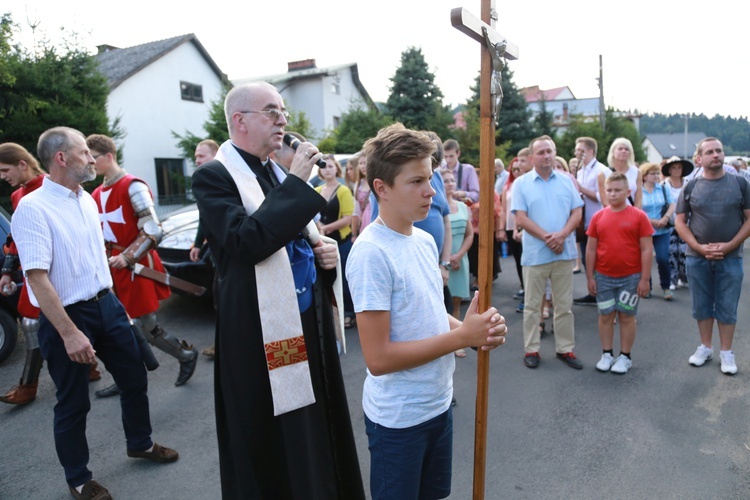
x=294 y=143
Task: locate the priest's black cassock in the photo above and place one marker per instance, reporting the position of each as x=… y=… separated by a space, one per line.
x=308 y=453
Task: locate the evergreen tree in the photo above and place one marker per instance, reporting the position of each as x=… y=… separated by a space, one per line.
x=544 y=119
x=415 y=100
x=514 y=119
x=513 y=129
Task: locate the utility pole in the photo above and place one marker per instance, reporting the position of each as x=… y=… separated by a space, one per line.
x=600 y=81
x=685 y=149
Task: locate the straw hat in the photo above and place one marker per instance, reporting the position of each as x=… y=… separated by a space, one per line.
x=687 y=167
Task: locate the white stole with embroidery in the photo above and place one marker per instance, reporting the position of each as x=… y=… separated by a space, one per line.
x=283 y=339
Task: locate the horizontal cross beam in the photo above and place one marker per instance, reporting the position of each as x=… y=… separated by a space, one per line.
x=470 y=25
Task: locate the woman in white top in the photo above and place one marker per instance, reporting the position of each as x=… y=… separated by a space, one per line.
x=674 y=171
x=622 y=159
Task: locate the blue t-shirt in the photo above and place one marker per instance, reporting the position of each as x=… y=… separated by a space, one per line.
x=653 y=203
x=388 y=271
x=434 y=223
x=547 y=203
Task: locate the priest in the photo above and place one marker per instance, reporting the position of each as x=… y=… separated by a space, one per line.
x=282 y=417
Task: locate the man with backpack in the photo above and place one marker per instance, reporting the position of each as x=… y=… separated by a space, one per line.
x=713 y=218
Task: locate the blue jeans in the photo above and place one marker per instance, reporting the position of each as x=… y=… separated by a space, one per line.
x=661 y=249
x=106 y=325
x=411 y=463
x=715 y=287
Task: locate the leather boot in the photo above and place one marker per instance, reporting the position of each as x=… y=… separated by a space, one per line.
x=21 y=394
x=94 y=374
x=187 y=368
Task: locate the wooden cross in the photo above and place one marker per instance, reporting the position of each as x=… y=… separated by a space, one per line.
x=495 y=49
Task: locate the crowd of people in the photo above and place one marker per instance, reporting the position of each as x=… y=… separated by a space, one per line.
x=395 y=230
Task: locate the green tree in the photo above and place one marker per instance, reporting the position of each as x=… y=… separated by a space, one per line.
x=47 y=87
x=415 y=100
x=513 y=129
x=544 y=119
x=514 y=119
x=357 y=125
x=616 y=126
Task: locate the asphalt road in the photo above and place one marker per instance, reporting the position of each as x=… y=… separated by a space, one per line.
x=664 y=430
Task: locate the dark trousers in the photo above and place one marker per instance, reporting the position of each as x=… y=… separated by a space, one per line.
x=106 y=325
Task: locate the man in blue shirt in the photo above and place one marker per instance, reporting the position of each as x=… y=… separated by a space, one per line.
x=548 y=209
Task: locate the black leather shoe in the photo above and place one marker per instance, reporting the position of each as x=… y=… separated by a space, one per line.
x=531 y=360
x=588 y=300
x=570 y=359
x=187 y=368
x=108 y=392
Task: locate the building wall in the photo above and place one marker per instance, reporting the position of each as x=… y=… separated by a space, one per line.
x=150 y=107
x=315 y=96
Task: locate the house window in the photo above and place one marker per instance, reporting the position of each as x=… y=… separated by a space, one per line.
x=336 y=121
x=170 y=180
x=191 y=92
x=336 y=84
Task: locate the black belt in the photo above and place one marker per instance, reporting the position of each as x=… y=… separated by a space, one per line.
x=99 y=296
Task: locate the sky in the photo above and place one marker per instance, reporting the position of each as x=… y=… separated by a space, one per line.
x=659 y=56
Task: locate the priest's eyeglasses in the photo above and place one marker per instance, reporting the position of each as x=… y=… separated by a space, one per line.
x=272 y=113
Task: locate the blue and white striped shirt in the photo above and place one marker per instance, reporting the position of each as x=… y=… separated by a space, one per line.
x=58 y=230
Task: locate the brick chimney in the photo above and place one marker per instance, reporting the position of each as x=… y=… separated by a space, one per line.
x=300 y=65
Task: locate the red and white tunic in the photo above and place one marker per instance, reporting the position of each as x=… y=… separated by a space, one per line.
x=138 y=295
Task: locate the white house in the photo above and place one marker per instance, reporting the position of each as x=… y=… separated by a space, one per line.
x=563 y=105
x=323 y=94
x=155 y=89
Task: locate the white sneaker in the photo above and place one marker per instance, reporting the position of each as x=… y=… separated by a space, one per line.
x=622 y=365
x=605 y=363
x=672 y=287
x=702 y=354
x=728 y=366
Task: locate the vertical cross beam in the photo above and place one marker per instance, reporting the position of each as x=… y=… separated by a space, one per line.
x=495 y=49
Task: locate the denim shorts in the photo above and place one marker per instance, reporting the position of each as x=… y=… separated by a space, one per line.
x=715 y=287
x=414 y=462
x=619 y=294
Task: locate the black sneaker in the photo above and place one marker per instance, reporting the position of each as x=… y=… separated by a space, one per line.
x=570 y=359
x=531 y=359
x=588 y=300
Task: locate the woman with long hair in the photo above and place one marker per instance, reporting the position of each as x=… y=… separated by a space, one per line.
x=362 y=215
x=621 y=158
x=335 y=222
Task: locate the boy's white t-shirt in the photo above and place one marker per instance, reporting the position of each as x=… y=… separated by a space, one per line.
x=388 y=271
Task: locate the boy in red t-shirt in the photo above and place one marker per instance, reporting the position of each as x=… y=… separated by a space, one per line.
x=618 y=258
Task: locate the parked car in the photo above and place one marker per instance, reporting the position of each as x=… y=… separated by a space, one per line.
x=179 y=229
x=8 y=305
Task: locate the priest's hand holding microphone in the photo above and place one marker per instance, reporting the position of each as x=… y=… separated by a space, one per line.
x=307 y=155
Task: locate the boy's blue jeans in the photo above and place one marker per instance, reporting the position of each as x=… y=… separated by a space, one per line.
x=411 y=463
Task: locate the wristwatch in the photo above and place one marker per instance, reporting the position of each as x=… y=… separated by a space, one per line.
x=445 y=264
